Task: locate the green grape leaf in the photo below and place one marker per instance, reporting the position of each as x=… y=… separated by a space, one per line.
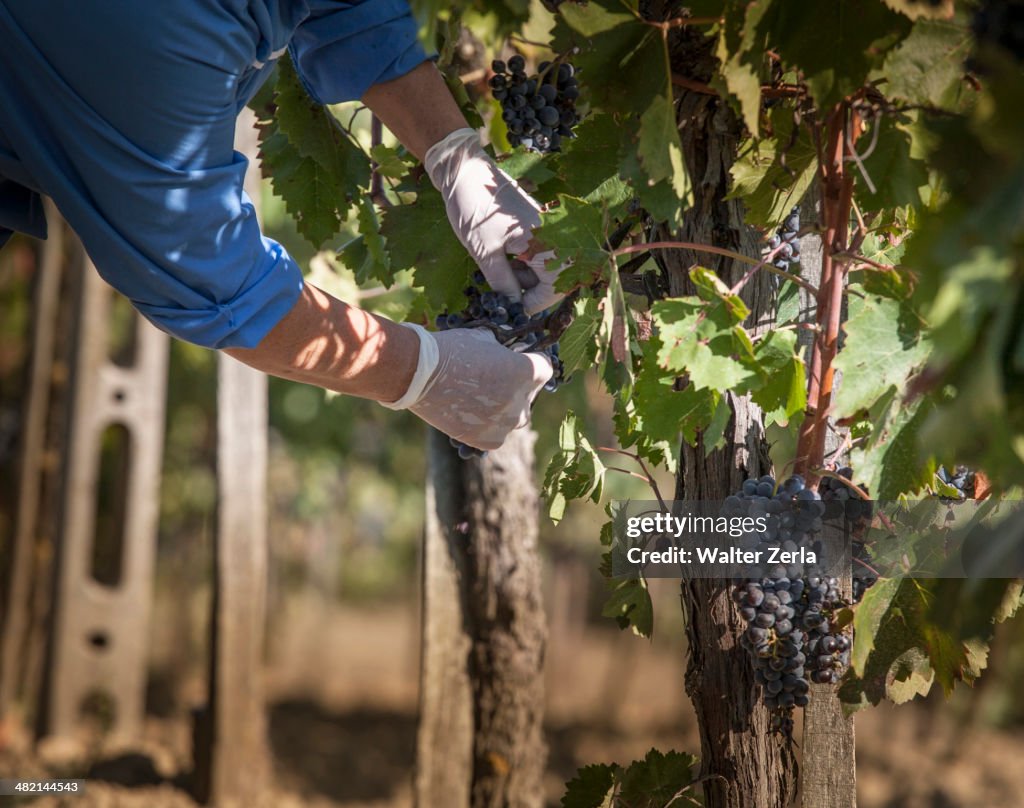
x=783 y=385
x=441 y=265
x=661 y=411
x=657 y=779
x=629 y=603
x=741 y=58
x=614 y=45
x=890 y=460
x=911 y=675
x=390 y=162
x=889 y=648
x=588 y=166
x=308 y=191
x=322 y=183
x=928 y=66
x=1013 y=599
x=926 y=9
x=575 y=471
x=609 y=35
x=967 y=256
x=835 y=44
x=527 y=167
x=659 y=199
x=867 y=619
x=366 y=255
x=577 y=232
x=910 y=633
x=591 y=787
x=949 y=657
x=702 y=336
x=788 y=303
x=966 y=609
x=714 y=435
x=884 y=346
x=772 y=175
x=895 y=173
x=578 y=347
x=658 y=145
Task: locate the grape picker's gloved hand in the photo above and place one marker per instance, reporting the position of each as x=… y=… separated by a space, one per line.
x=492 y=216
x=472 y=388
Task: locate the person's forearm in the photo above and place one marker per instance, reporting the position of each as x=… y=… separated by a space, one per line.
x=326 y=342
x=417 y=107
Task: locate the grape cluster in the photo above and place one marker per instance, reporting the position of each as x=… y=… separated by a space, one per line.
x=787 y=241
x=510 y=324
x=538 y=110
x=962 y=479
x=789 y=614
x=842 y=501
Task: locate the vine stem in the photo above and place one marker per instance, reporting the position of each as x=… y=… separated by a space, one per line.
x=846 y=444
x=691 y=84
x=788 y=327
x=868 y=567
x=682 y=22
x=837 y=197
x=636 y=474
x=860 y=492
x=735 y=256
x=860 y=259
x=376 y=180
x=762 y=264
x=634 y=456
x=767 y=90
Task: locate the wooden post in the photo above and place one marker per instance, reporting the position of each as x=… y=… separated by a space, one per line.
x=481 y=741
x=444 y=759
x=506 y=617
x=17 y=611
x=231 y=750
x=828 y=766
x=238 y=762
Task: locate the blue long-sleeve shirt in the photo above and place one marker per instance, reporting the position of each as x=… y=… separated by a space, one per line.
x=124 y=113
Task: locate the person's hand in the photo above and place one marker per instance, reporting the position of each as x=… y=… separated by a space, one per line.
x=493 y=217
x=472 y=388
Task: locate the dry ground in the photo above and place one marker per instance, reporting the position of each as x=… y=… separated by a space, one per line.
x=342 y=726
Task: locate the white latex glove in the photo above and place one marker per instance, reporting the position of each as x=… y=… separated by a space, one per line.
x=492 y=216
x=472 y=388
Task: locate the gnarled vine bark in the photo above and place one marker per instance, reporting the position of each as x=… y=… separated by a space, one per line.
x=745 y=763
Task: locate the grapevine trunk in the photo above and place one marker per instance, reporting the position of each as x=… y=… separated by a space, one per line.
x=745 y=763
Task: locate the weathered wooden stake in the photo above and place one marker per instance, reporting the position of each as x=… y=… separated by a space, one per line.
x=482 y=681
x=232 y=753
x=17 y=611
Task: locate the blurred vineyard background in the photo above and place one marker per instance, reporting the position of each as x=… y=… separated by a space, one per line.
x=346 y=513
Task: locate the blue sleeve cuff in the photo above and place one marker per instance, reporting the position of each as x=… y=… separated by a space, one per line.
x=340 y=53
x=241 y=322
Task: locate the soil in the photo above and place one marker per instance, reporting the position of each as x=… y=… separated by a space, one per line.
x=342 y=722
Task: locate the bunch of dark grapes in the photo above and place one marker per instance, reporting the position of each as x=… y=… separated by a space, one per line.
x=538 y=110
x=1000 y=23
x=790 y=613
x=962 y=479
x=787 y=241
x=841 y=501
x=511 y=326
